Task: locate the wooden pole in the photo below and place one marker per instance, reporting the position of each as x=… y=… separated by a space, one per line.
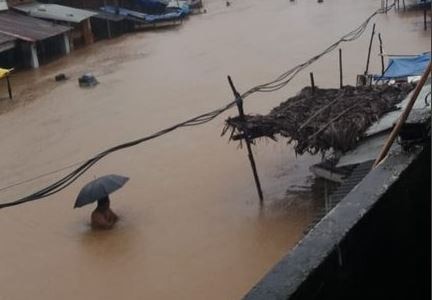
x=403 y=117
x=381 y=54
x=239 y=102
x=340 y=69
x=312 y=82
x=369 y=51
x=9 y=87
x=108 y=22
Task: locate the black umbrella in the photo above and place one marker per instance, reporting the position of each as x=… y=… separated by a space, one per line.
x=99 y=188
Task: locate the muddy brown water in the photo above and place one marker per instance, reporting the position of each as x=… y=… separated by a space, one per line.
x=190 y=227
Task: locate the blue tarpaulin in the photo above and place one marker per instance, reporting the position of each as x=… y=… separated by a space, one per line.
x=405 y=66
x=420 y=2
x=148 y=18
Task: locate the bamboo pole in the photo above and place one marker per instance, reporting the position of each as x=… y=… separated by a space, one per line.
x=369 y=51
x=340 y=69
x=239 y=102
x=381 y=54
x=312 y=82
x=403 y=117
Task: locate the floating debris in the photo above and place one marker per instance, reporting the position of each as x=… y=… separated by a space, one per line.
x=322 y=119
x=60 y=77
x=87 y=80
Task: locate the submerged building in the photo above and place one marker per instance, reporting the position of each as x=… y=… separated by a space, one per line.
x=78 y=19
x=26 y=41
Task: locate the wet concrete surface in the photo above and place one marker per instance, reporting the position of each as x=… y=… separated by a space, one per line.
x=190 y=225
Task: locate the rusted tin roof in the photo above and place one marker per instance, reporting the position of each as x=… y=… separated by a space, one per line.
x=27 y=28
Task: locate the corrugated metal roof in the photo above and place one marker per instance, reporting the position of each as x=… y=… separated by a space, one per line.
x=377 y=134
x=367 y=150
x=28 y=28
x=55 y=12
x=389 y=119
x=4 y=38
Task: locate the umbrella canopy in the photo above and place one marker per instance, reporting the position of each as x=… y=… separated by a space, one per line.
x=99 y=188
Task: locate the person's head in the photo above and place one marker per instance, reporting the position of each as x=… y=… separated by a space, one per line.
x=103 y=203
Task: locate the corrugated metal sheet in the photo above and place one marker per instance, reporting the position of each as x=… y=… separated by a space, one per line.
x=28 y=28
x=6 y=42
x=55 y=12
x=367 y=150
x=4 y=38
x=389 y=119
x=377 y=134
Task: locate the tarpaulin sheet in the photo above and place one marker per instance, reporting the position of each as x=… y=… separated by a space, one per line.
x=405 y=66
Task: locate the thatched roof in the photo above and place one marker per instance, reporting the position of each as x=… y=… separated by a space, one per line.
x=324 y=119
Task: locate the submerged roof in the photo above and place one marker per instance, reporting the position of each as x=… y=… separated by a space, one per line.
x=55 y=12
x=27 y=28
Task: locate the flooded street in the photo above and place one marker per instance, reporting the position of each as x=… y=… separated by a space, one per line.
x=190 y=223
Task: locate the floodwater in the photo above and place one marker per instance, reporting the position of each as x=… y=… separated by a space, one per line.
x=191 y=226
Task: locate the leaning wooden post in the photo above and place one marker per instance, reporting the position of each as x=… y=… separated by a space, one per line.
x=340 y=69
x=381 y=54
x=9 y=87
x=239 y=102
x=312 y=82
x=369 y=51
x=403 y=117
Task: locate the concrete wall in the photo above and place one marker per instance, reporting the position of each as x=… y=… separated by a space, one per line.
x=374 y=245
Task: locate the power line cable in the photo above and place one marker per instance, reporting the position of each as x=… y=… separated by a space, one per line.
x=278 y=83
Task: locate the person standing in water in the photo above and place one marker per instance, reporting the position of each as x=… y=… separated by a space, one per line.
x=103 y=217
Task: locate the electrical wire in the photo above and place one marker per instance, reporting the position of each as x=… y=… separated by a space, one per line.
x=274 y=85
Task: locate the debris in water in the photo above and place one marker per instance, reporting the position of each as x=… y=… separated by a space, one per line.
x=87 y=80
x=60 y=77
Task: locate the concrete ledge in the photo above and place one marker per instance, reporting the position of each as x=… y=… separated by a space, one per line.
x=380 y=232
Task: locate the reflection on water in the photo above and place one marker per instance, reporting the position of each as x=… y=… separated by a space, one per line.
x=190 y=226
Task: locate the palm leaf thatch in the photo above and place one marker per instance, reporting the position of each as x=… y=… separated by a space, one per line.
x=322 y=119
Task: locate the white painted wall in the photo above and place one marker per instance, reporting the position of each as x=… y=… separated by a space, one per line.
x=3 y=5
